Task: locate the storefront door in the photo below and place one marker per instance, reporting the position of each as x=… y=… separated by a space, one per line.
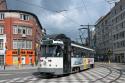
x=23 y=59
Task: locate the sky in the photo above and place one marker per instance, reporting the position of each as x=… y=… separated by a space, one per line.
x=63 y=16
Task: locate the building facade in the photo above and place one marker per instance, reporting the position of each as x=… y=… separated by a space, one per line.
x=110 y=33
x=92 y=39
x=118 y=30
x=103 y=37
x=20 y=37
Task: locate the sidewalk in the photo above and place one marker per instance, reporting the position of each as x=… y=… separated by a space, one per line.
x=120 y=66
x=17 y=67
x=111 y=63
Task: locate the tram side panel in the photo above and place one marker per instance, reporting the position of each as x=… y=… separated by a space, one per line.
x=53 y=65
x=82 y=63
x=76 y=63
x=91 y=62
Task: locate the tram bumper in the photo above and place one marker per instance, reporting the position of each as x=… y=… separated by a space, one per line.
x=54 y=71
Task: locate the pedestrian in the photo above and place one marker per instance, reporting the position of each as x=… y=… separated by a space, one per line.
x=4 y=66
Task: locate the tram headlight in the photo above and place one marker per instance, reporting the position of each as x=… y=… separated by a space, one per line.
x=49 y=60
x=41 y=60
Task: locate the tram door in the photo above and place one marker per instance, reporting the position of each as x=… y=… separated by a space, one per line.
x=67 y=57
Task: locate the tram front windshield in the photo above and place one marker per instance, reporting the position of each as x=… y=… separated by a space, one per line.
x=51 y=51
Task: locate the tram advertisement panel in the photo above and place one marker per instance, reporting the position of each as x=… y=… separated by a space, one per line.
x=91 y=60
x=76 y=61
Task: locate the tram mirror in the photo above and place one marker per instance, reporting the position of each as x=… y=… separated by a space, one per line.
x=58 y=54
x=58 y=51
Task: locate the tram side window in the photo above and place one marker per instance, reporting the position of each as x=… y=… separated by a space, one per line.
x=76 y=54
x=82 y=54
x=91 y=55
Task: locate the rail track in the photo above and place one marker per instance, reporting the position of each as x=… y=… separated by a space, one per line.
x=113 y=75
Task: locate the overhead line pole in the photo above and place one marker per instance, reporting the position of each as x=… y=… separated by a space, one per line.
x=88 y=29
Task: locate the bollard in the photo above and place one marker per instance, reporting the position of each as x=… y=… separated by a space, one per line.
x=109 y=62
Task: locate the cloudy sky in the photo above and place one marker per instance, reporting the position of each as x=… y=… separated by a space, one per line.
x=63 y=16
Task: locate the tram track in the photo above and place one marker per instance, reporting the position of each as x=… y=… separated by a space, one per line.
x=111 y=72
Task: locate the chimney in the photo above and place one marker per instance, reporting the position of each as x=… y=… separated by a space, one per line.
x=3 y=5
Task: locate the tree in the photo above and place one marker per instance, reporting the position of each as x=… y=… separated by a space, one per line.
x=109 y=55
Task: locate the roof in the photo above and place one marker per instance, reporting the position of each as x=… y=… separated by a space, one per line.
x=56 y=36
x=19 y=11
x=102 y=18
x=80 y=46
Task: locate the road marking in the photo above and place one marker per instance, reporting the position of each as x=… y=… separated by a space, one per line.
x=1 y=81
x=34 y=79
x=5 y=74
x=89 y=76
x=13 y=80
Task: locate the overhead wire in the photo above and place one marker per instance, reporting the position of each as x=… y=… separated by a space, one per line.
x=111 y=1
x=50 y=10
x=85 y=7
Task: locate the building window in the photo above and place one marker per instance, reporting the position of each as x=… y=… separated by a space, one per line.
x=22 y=30
x=15 y=29
x=29 y=45
x=15 y=45
x=120 y=7
x=19 y=30
x=22 y=44
x=1 y=16
x=1 y=60
x=29 y=31
x=1 y=29
x=1 y=44
x=24 y=17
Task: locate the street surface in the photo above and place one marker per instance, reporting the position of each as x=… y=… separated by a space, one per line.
x=102 y=73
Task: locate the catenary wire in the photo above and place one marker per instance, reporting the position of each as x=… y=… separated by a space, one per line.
x=85 y=7
x=50 y=10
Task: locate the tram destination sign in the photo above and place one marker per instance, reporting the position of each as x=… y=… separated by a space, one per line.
x=47 y=42
x=50 y=42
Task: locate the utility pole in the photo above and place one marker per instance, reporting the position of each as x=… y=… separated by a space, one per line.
x=87 y=27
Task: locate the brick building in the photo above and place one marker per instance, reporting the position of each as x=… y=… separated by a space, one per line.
x=20 y=36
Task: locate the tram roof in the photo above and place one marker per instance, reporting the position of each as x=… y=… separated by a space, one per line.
x=79 y=46
x=55 y=36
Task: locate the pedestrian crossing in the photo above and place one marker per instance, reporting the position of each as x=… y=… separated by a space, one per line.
x=95 y=75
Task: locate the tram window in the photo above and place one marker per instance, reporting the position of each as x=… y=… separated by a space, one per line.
x=77 y=56
x=48 y=51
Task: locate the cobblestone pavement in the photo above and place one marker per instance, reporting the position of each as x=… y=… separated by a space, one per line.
x=99 y=74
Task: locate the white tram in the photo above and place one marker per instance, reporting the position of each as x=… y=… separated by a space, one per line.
x=61 y=56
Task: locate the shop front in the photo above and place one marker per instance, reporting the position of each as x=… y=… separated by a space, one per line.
x=23 y=57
